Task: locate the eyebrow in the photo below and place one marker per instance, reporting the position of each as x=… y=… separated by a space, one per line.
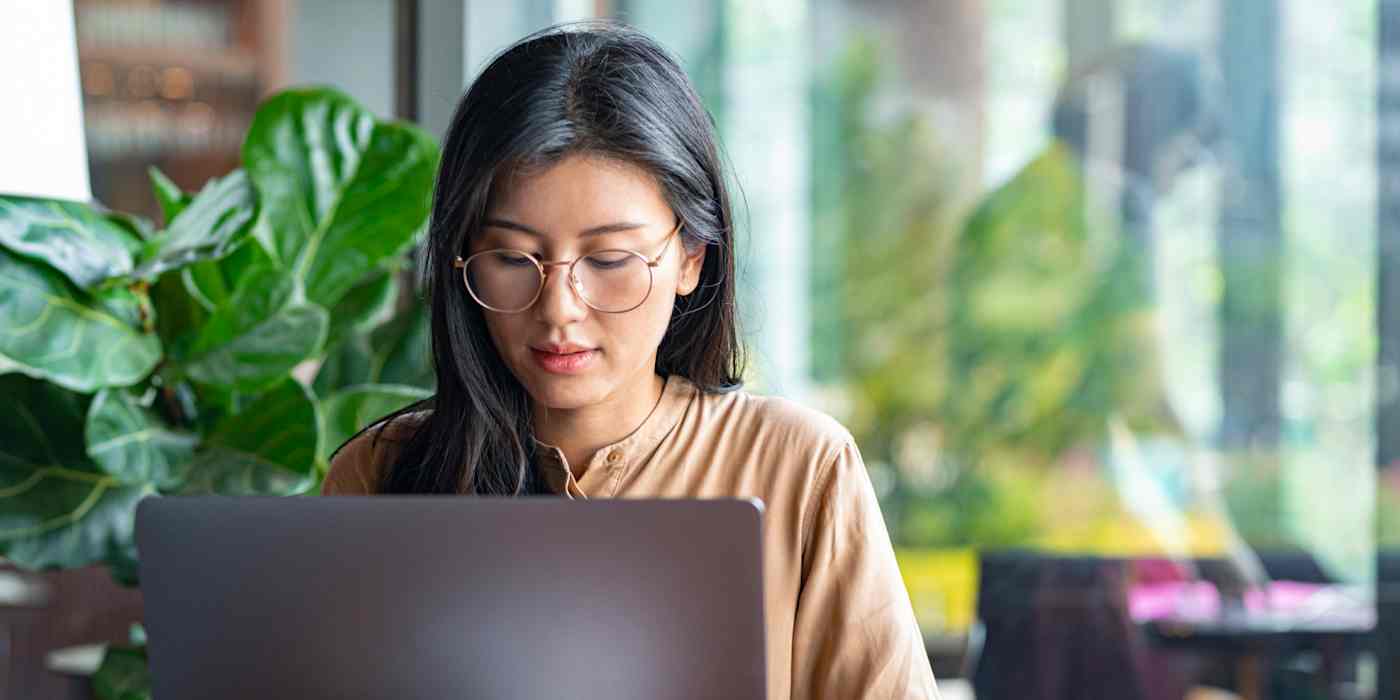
x=594 y=231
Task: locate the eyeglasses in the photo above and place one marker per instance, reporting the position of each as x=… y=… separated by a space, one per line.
x=611 y=281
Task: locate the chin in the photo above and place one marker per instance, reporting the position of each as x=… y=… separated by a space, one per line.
x=566 y=393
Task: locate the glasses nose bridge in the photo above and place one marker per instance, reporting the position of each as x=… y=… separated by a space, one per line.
x=568 y=265
x=547 y=265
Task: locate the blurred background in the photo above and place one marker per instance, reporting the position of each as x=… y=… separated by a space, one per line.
x=1108 y=292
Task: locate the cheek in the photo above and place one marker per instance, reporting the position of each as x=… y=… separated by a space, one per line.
x=504 y=333
x=634 y=336
x=658 y=317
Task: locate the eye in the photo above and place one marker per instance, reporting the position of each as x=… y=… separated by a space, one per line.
x=609 y=260
x=512 y=258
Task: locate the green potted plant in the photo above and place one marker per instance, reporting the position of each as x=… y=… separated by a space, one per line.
x=146 y=361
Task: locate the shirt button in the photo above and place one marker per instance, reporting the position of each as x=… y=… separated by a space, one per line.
x=614 y=457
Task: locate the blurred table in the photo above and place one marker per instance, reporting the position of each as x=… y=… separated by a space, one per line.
x=1288 y=617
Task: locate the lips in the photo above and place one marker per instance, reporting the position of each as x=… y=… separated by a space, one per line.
x=564 y=349
x=567 y=358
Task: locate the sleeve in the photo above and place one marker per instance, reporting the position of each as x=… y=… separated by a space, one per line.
x=855 y=635
x=354 y=468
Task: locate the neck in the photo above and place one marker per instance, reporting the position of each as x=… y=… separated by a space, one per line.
x=581 y=432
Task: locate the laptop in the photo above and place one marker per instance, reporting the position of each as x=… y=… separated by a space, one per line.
x=452 y=597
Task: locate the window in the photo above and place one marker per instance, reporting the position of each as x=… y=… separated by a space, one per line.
x=1095 y=286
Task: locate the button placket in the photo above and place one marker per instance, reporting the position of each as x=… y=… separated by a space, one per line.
x=574 y=491
x=598 y=469
x=556 y=473
x=618 y=461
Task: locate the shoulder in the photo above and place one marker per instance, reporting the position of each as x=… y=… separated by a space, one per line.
x=356 y=466
x=822 y=481
x=780 y=423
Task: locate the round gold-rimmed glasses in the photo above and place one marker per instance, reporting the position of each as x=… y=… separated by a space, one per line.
x=611 y=281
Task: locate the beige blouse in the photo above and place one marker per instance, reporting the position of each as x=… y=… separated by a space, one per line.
x=839 y=621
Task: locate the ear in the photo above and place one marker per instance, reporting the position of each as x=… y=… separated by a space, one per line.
x=691 y=265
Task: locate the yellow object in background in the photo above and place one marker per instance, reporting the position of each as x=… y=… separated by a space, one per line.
x=942 y=584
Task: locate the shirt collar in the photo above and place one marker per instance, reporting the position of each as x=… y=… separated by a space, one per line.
x=616 y=458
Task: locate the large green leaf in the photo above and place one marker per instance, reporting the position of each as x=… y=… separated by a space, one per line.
x=124 y=675
x=169 y=196
x=137 y=226
x=208 y=283
x=85 y=245
x=349 y=362
x=339 y=190
x=346 y=412
x=269 y=447
x=401 y=350
x=131 y=443
x=213 y=282
x=395 y=352
x=213 y=223
x=57 y=332
x=258 y=336
x=366 y=305
x=42 y=425
x=57 y=509
x=181 y=313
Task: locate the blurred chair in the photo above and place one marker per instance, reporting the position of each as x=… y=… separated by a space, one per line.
x=1057 y=628
x=1386 y=639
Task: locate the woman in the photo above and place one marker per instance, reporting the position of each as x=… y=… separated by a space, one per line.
x=583 y=331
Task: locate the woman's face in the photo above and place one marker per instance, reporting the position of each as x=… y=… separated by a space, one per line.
x=566 y=354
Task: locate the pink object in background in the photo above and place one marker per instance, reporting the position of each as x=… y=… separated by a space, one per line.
x=1289 y=602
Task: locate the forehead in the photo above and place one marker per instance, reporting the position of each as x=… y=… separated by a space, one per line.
x=578 y=192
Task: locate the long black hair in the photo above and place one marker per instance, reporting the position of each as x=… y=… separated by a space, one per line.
x=599 y=88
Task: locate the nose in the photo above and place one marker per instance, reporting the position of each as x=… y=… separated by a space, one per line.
x=559 y=303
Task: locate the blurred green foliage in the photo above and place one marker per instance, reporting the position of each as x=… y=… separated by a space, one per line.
x=980 y=348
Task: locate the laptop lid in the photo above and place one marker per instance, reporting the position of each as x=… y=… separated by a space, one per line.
x=444 y=596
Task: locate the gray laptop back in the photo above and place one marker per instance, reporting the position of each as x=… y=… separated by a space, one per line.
x=450 y=597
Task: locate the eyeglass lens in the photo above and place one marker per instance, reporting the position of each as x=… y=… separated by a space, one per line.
x=609 y=281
